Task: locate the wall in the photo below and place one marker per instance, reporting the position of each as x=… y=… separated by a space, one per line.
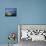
x=28 y=12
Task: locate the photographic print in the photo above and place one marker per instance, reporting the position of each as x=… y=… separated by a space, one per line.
x=10 y=11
